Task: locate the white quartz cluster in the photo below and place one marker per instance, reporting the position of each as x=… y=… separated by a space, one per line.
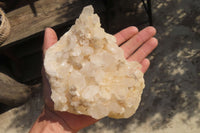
x=88 y=73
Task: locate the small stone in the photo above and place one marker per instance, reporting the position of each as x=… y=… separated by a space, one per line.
x=13 y=93
x=89 y=74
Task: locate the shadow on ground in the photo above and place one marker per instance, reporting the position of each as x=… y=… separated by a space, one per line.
x=172 y=82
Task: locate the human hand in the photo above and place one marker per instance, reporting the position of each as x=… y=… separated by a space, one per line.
x=136 y=45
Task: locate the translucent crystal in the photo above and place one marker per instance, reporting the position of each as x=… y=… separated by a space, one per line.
x=88 y=73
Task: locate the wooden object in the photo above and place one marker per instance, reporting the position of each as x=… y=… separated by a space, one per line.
x=49 y=13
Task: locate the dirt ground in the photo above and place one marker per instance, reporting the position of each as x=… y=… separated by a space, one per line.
x=171 y=99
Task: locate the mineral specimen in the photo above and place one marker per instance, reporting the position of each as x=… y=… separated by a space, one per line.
x=89 y=74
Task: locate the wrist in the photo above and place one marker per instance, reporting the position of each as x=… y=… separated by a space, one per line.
x=58 y=121
x=49 y=122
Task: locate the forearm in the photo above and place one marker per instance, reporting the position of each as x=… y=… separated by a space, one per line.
x=48 y=122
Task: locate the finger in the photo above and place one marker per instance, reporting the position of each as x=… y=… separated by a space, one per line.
x=136 y=41
x=144 y=50
x=50 y=38
x=125 y=34
x=145 y=65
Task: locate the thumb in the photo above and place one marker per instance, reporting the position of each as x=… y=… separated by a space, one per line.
x=50 y=38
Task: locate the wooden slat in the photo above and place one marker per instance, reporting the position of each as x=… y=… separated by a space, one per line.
x=50 y=13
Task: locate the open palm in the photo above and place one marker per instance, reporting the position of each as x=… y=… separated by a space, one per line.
x=136 y=45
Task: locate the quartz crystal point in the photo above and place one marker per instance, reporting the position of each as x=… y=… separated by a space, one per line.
x=89 y=74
